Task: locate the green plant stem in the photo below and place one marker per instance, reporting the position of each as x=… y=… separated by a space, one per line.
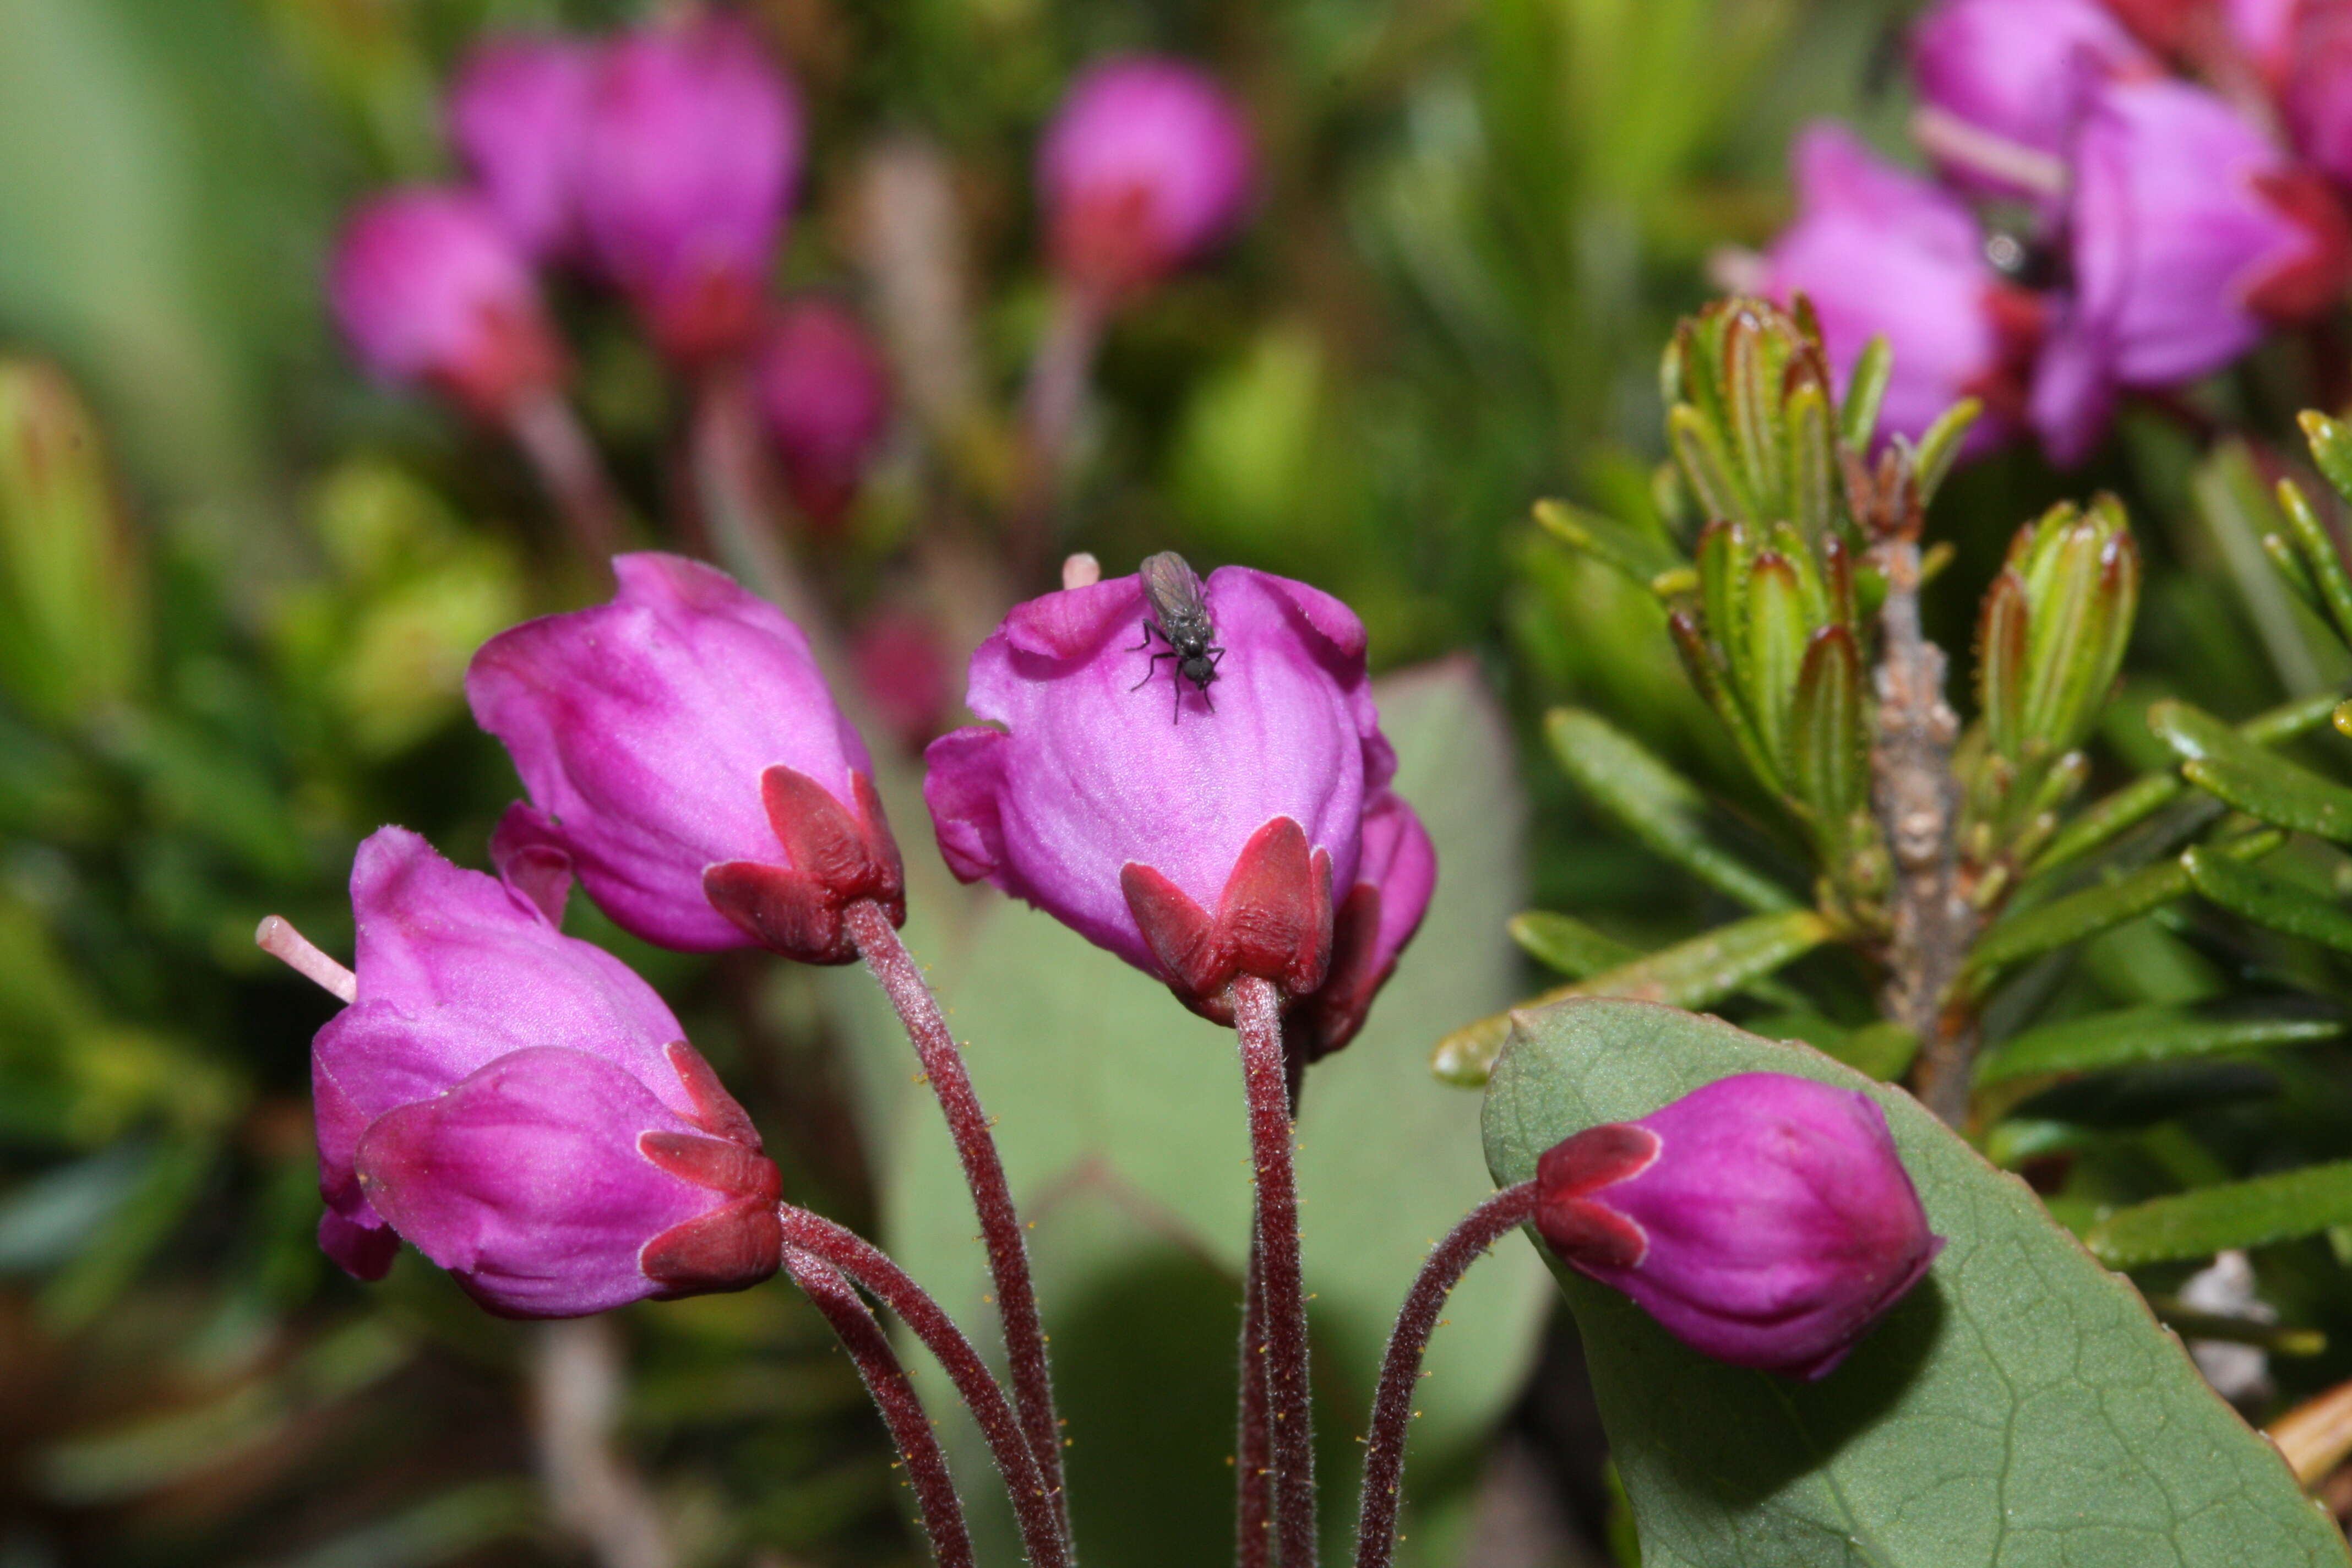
x=1258 y=1018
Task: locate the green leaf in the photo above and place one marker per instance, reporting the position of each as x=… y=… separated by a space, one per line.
x=2064 y=921
x=1120 y=1121
x=1939 y=448
x=2151 y=793
x=1693 y=974
x=1567 y=944
x=1657 y=805
x=2235 y=1213
x=2331 y=448
x=2268 y=901
x=1865 y=390
x=1775 y=646
x=1833 y=753
x=1640 y=555
x=1706 y=466
x=2226 y=765
x=2321 y=562
x=2020 y=1408
x=1812 y=450
x=2139 y=1035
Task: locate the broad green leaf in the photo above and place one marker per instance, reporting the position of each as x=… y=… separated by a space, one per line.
x=1654 y=804
x=2151 y=793
x=1119 y=1118
x=1693 y=974
x=2070 y=919
x=2137 y=1035
x=2021 y=1409
x=2201 y=1223
x=2269 y=900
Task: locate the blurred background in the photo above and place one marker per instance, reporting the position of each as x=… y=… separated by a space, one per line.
x=243 y=582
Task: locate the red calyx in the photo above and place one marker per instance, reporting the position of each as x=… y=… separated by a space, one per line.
x=1274 y=921
x=2308 y=286
x=515 y=358
x=738 y=1245
x=1330 y=1019
x=1107 y=244
x=1579 y=1227
x=836 y=859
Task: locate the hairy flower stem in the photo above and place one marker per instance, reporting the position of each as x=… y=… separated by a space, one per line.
x=1258 y=1018
x=885 y=1380
x=1401 y=1367
x=578 y=1380
x=550 y=435
x=1043 y=1530
x=1917 y=799
x=1049 y=413
x=1254 y=1456
x=1000 y=1226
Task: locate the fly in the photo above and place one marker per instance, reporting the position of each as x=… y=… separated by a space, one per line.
x=1180 y=615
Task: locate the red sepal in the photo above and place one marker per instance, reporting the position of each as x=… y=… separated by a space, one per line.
x=1578 y=1226
x=1272 y=921
x=1331 y=1017
x=2304 y=288
x=730 y=1248
x=834 y=860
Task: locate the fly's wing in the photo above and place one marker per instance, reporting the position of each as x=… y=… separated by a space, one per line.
x=1173 y=589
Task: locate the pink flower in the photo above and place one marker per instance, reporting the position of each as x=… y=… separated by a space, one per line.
x=688 y=169
x=1883 y=253
x=522 y=1108
x=517 y=114
x=1396 y=872
x=428 y=289
x=1197 y=833
x=2190 y=233
x=682 y=751
x=826 y=390
x=1146 y=167
x=2017 y=71
x=1763 y=1220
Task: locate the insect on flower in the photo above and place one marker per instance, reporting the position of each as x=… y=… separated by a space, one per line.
x=1181 y=616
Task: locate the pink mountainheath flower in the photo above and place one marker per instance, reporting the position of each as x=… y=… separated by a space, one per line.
x=1146 y=167
x=522 y=1108
x=428 y=289
x=689 y=165
x=826 y=390
x=1201 y=839
x=1882 y=253
x=2190 y=233
x=517 y=114
x=1763 y=1220
x=2018 y=71
x=682 y=751
x=1396 y=872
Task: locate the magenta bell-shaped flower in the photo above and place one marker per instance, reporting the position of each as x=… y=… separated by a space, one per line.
x=522 y=1108
x=517 y=114
x=682 y=751
x=1763 y=1220
x=1146 y=167
x=1197 y=832
x=825 y=391
x=688 y=168
x=428 y=289
x=2190 y=232
x=2015 y=76
x=1882 y=253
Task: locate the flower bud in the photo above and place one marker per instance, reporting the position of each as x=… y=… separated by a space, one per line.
x=1883 y=253
x=429 y=288
x=1146 y=167
x=2190 y=233
x=826 y=395
x=688 y=167
x=522 y=1108
x=1198 y=835
x=517 y=114
x=1396 y=872
x=1763 y=1220
x=682 y=751
x=2017 y=73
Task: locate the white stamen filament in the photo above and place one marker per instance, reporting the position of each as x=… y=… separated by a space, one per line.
x=1952 y=140
x=279 y=938
x=1081 y=570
